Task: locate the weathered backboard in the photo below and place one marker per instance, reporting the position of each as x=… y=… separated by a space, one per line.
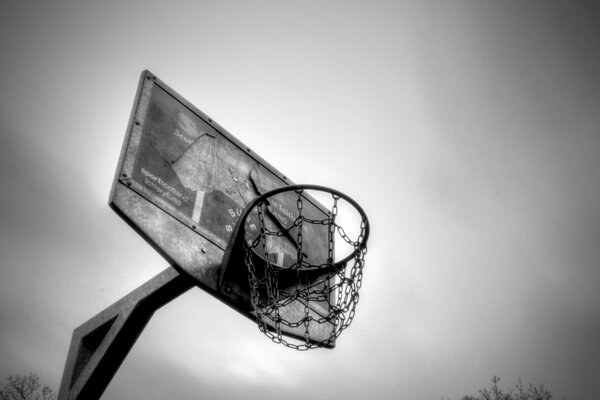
x=183 y=182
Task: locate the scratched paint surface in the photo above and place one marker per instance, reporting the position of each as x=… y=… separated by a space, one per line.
x=184 y=182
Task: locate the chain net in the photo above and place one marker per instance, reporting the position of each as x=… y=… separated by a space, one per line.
x=311 y=299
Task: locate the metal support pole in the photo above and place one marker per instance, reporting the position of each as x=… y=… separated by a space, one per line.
x=99 y=346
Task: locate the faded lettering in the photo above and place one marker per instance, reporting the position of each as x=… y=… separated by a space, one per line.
x=282 y=213
x=235 y=213
x=163 y=188
x=184 y=138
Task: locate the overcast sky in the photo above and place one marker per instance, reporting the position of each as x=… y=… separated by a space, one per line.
x=468 y=131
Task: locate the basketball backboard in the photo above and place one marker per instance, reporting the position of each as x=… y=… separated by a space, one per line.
x=183 y=181
x=228 y=222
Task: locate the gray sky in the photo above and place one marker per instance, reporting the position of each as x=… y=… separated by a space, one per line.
x=467 y=130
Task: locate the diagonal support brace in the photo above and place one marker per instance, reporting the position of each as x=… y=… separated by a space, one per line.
x=99 y=346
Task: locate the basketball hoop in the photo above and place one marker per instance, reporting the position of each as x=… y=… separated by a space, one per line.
x=289 y=258
x=314 y=292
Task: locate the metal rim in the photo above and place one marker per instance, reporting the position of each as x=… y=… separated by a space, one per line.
x=303 y=187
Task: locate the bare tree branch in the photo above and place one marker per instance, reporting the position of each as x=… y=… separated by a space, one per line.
x=25 y=387
x=495 y=392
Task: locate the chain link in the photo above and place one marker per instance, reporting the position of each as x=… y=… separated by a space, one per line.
x=328 y=302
